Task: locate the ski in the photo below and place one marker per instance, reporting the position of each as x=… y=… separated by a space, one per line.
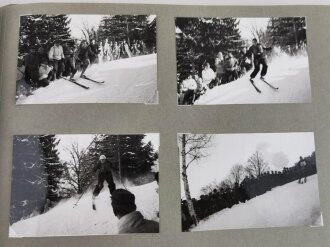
x=273 y=87
x=76 y=203
x=75 y=82
x=255 y=87
x=90 y=79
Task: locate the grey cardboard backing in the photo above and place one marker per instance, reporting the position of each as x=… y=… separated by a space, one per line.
x=168 y=119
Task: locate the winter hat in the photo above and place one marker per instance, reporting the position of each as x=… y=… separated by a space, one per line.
x=102 y=157
x=123 y=201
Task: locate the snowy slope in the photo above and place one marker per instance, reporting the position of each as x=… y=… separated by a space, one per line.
x=290 y=74
x=292 y=204
x=130 y=80
x=64 y=220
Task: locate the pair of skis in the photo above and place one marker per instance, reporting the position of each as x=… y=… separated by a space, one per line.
x=267 y=83
x=81 y=85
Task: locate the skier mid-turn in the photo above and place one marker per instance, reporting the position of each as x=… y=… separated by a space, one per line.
x=103 y=170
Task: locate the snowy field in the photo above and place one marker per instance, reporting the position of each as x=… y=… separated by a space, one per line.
x=290 y=74
x=64 y=220
x=292 y=204
x=130 y=80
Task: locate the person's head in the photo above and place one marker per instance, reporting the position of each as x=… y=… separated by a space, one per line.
x=254 y=41
x=230 y=55
x=102 y=158
x=33 y=49
x=106 y=40
x=41 y=50
x=57 y=42
x=300 y=158
x=220 y=55
x=44 y=61
x=207 y=65
x=93 y=41
x=244 y=49
x=123 y=202
x=83 y=43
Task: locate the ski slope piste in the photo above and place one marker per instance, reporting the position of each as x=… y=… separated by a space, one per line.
x=289 y=73
x=66 y=220
x=129 y=80
x=292 y=204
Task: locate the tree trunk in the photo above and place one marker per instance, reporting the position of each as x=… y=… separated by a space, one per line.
x=185 y=182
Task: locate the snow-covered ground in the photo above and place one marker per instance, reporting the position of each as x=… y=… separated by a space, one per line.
x=292 y=204
x=64 y=220
x=290 y=74
x=130 y=80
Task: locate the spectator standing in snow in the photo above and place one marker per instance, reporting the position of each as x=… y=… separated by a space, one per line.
x=101 y=52
x=231 y=65
x=220 y=71
x=302 y=173
x=127 y=50
x=31 y=62
x=95 y=49
x=104 y=173
x=208 y=75
x=56 y=56
x=130 y=220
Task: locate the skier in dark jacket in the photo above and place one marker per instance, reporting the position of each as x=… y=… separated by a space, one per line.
x=83 y=56
x=103 y=168
x=259 y=58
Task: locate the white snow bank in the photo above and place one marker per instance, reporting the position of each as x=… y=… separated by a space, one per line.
x=130 y=80
x=292 y=204
x=64 y=220
x=290 y=74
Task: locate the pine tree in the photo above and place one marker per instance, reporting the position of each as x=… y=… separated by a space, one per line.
x=29 y=180
x=287 y=30
x=123 y=27
x=128 y=153
x=53 y=167
x=42 y=30
x=200 y=39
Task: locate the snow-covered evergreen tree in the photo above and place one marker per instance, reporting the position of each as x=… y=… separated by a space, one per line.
x=287 y=30
x=200 y=39
x=42 y=30
x=53 y=167
x=124 y=27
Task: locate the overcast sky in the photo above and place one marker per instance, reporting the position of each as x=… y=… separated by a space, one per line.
x=83 y=141
x=77 y=22
x=279 y=150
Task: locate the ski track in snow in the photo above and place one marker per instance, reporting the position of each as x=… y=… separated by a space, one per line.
x=290 y=74
x=64 y=220
x=292 y=204
x=130 y=80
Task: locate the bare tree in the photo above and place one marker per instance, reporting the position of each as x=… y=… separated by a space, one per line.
x=88 y=32
x=78 y=172
x=227 y=184
x=256 y=165
x=207 y=189
x=258 y=33
x=237 y=174
x=193 y=149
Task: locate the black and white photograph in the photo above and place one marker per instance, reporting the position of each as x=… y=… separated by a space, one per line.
x=253 y=180
x=242 y=60
x=87 y=59
x=76 y=185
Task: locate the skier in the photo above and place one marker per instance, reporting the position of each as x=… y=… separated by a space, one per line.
x=302 y=173
x=83 y=55
x=103 y=168
x=130 y=220
x=259 y=58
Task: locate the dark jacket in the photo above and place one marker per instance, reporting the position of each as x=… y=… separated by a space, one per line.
x=103 y=167
x=258 y=51
x=85 y=53
x=134 y=222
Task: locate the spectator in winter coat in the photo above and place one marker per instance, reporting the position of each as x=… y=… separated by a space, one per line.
x=220 y=70
x=230 y=65
x=189 y=87
x=56 y=56
x=95 y=49
x=104 y=173
x=302 y=173
x=31 y=62
x=130 y=220
x=127 y=50
x=208 y=74
x=44 y=71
